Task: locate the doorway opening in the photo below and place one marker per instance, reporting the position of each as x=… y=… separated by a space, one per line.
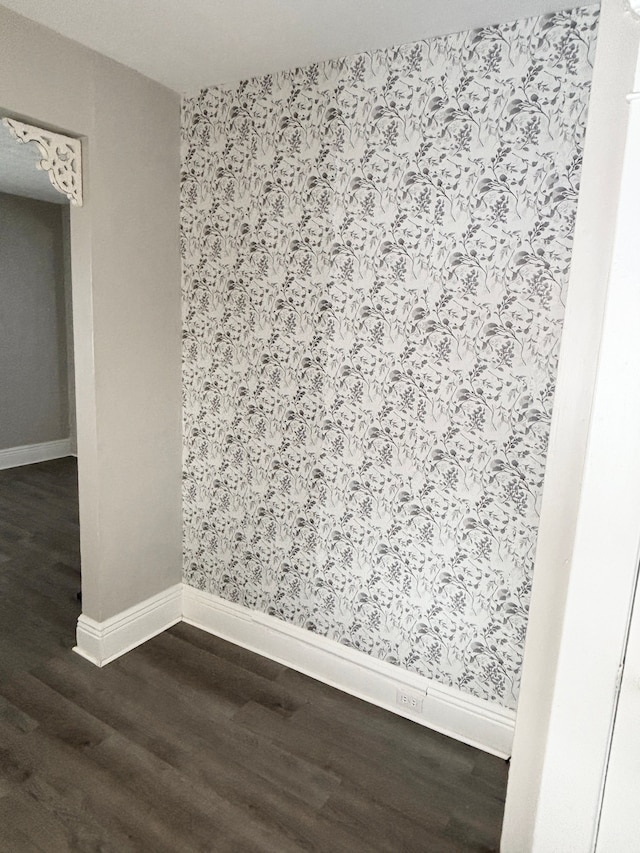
x=40 y=578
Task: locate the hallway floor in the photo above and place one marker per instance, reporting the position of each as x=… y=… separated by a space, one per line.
x=189 y=743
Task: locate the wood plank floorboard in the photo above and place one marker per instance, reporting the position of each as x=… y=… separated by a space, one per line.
x=189 y=743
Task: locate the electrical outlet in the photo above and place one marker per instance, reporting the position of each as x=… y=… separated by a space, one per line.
x=410 y=700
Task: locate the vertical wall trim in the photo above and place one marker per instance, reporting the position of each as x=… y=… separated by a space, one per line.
x=587 y=543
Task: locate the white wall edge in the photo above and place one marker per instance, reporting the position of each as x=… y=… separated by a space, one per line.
x=103 y=642
x=28 y=454
x=447 y=710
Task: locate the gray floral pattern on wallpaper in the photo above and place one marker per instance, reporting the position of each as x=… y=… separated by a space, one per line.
x=376 y=253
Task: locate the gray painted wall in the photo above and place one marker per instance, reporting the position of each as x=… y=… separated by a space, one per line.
x=34 y=394
x=126 y=304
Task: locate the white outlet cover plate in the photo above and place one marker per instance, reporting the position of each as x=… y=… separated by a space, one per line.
x=409 y=700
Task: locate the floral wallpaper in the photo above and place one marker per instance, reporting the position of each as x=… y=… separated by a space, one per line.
x=375 y=253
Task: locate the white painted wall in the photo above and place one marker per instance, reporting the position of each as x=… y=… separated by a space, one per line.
x=590 y=521
x=620 y=818
x=126 y=292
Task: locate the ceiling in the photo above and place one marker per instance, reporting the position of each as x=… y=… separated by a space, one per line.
x=191 y=44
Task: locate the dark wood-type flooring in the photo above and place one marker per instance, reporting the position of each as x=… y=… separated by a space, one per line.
x=189 y=743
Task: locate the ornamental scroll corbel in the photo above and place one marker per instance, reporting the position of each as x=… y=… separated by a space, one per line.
x=61 y=157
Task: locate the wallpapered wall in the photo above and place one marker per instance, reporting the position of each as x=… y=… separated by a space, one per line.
x=375 y=254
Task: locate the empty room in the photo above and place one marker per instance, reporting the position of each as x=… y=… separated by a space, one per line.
x=319 y=425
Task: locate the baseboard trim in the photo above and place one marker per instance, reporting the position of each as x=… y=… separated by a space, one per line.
x=28 y=454
x=459 y=715
x=103 y=642
x=446 y=710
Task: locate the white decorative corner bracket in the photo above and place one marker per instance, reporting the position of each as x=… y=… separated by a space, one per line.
x=60 y=157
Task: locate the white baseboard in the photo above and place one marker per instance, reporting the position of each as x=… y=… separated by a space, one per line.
x=28 y=454
x=452 y=712
x=102 y=642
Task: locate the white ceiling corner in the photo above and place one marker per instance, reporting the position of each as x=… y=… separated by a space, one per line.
x=191 y=44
